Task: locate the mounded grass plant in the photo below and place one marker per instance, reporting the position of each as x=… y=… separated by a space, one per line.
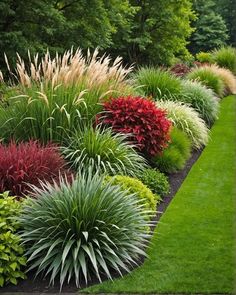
x=201 y=99
x=157 y=83
x=103 y=151
x=225 y=57
x=135 y=186
x=174 y=157
x=208 y=78
x=188 y=120
x=86 y=229
x=156 y=181
x=226 y=76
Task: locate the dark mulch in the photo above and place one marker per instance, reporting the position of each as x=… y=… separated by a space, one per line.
x=40 y=285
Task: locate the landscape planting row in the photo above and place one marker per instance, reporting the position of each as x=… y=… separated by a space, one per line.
x=86 y=149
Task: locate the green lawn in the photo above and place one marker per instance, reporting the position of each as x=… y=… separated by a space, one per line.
x=193 y=247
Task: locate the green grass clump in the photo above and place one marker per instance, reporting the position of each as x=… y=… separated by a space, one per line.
x=135 y=186
x=12 y=259
x=208 y=78
x=186 y=119
x=176 y=154
x=156 y=181
x=87 y=228
x=225 y=57
x=157 y=83
x=104 y=151
x=193 y=247
x=201 y=99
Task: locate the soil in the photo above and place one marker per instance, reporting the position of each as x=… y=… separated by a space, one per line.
x=40 y=286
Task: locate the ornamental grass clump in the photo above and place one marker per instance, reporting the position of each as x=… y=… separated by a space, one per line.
x=188 y=120
x=12 y=259
x=147 y=126
x=208 y=78
x=84 y=230
x=25 y=164
x=157 y=83
x=201 y=99
x=54 y=95
x=103 y=151
x=225 y=57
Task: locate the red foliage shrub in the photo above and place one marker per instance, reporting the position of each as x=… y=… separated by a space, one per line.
x=180 y=70
x=148 y=125
x=27 y=163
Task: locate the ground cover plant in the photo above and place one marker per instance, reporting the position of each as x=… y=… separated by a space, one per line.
x=12 y=260
x=55 y=95
x=193 y=250
x=201 y=99
x=26 y=164
x=186 y=119
x=147 y=125
x=88 y=227
x=157 y=83
x=103 y=150
x=174 y=157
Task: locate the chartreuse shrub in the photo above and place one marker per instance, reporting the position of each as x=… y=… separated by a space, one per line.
x=175 y=156
x=54 y=95
x=26 y=163
x=204 y=57
x=12 y=258
x=208 y=78
x=104 y=150
x=157 y=83
x=188 y=120
x=135 y=186
x=156 y=181
x=225 y=57
x=201 y=99
x=226 y=76
x=146 y=125
x=91 y=227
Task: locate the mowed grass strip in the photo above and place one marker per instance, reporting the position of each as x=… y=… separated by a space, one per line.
x=193 y=247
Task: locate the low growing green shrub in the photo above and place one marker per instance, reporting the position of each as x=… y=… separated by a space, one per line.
x=208 y=78
x=105 y=151
x=156 y=181
x=201 y=99
x=188 y=120
x=11 y=252
x=204 y=57
x=86 y=229
x=176 y=154
x=157 y=83
x=225 y=57
x=135 y=186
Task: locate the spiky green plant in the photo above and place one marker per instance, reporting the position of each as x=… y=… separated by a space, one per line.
x=201 y=99
x=188 y=120
x=157 y=82
x=105 y=151
x=225 y=57
x=86 y=229
x=208 y=78
x=176 y=154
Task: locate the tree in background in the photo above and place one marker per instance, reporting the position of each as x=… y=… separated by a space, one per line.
x=211 y=30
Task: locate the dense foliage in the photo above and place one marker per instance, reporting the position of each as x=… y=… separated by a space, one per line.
x=225 y=57
x=104 y=151
x=175 y=156
x=156 y=181
x=87 y=228
x=12 y=258
x=25 y=164
x=140 y=190
x=147 y=125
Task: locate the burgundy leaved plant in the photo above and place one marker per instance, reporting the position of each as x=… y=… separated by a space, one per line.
x=148 y=125
x=25 y=164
